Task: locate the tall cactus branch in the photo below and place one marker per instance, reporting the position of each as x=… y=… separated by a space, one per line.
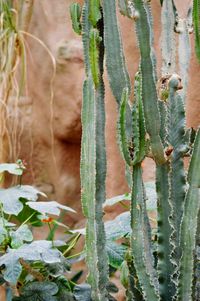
x=115 y=61
x=140 y=239
x=116 y=67
x=176 y=133
x=93 y=156
x=189 y=225
x=184 y=27
x=149 y=93
x=168 y=38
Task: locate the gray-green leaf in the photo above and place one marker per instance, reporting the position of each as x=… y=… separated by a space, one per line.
x=23 y=233
x=40 y=250
x=115 y=253
x=10 y=197
x=119 y=227
x=12 y=168
x=43 y=291
x=150 y=193
x=49 y=207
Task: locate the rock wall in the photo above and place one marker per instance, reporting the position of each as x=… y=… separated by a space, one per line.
x=48 y=116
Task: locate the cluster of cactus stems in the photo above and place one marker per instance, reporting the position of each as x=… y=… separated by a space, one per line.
x=153 y=126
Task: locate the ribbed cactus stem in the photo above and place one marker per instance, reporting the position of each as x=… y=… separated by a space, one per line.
x=94 y=12
x=117 y=73
x=189 y=226
x=93 y=155
x=138 y=124
x=168 y=38
x=123 y=139
x=176 y=134
x=115 y=62
x=149 y=92
x=141 y=239
x=75 y=13
x=164 y=265
x=165 y=268
x=94 y=55
x=123 y=7
x=184 y=28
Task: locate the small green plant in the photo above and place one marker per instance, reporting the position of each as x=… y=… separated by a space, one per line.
x=165 y=267
x=33 y=269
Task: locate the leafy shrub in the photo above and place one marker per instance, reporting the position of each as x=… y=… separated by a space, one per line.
x=32 y=269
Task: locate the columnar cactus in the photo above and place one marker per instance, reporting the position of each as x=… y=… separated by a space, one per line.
x=93 y=156
x=153 y=126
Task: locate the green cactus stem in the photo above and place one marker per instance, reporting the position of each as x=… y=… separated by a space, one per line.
x=184 y=27
x=133 y=292
x=94 y=12
x=196 y=282
x=94 y=55
x=75 y=13
x=149 y=93
x=127 y=8
x=176 y=140
x=189 y=226
x=123 y=139
x=116 y=67
x=141 y=240
x=164 y=229
x=115 y=62
x=138 y=124
x=123 y=7
x=168 y=38
x=93 y=160
x=196 y=21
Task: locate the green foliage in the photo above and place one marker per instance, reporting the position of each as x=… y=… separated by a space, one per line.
x=14 y=169
x=38 y=291
x=83 y=292
x=25 y=261
x=115 y=253
x=49 y=207
x=10 y=198
x=21 y=235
